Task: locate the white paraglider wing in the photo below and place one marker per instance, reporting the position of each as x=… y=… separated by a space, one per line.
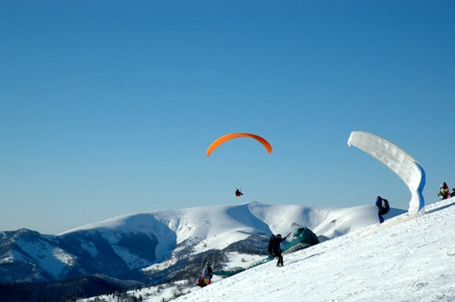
x=397 y=160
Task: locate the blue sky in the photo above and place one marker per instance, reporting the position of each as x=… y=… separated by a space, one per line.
x=108 y=107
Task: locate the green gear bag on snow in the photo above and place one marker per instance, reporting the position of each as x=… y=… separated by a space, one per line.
x=303 y=237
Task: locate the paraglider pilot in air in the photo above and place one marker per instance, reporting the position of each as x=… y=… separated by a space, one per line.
x=383 y=207
x=275 y=248
x=238 y=193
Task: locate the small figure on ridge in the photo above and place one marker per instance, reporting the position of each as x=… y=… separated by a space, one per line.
x=383 y=207
x=444 y=192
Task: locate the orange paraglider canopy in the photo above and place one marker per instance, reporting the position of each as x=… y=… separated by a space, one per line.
x=226 y=138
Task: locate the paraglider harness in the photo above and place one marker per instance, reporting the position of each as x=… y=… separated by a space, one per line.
x=383 y=206
x=238 y=193
x=206 y=276
x=271 y=244
x=444 y=192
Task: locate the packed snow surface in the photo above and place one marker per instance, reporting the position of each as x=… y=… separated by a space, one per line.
x=407 y=258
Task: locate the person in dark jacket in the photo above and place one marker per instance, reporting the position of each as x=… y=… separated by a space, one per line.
x=444 y=191
x=275 y=248
x=238 y=193
x=453 y=193
x=383 y=207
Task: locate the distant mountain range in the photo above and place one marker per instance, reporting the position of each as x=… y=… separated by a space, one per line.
x=164 y=245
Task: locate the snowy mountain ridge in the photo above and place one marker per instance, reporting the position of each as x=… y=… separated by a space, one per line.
x=207 y=224
x=405 y=259
x=156 y=246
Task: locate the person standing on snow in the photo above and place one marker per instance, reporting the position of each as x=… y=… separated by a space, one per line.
x=444 y=192
x=275 y=248
x=383 y=207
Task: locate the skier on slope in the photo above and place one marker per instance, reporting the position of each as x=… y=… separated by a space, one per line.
x=383 y=207
x=444 y=192
x=275 y=248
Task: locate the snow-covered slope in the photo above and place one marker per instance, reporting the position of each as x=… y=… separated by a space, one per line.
x=404 y=259
x=21 y=252
x=159 y=240
x=206 y=228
